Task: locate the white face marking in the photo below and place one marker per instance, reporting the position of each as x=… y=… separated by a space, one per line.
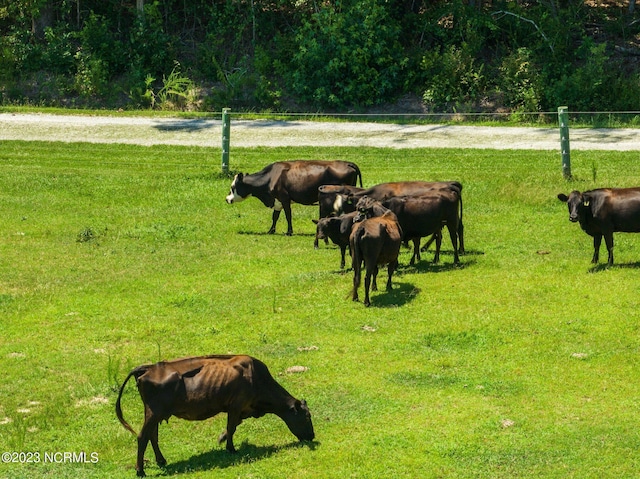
x=277 y=206
x=233 y=196
x=337 y=204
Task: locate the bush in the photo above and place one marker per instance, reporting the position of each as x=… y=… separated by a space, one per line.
x=452 y=76
x=348 y=55
x=520 y=82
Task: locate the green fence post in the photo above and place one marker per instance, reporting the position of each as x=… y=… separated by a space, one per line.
x=226 y=133
x=563 y=119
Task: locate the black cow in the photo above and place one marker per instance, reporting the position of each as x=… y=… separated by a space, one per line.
x=604 y=211
x=198 y=388
x=425 y=215
x=333 y=199
x=338 y=230
x=330 y=199
x=279 y=184
x=345 y=199
x=375 y=240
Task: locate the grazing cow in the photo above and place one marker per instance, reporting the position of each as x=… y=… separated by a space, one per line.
x=338 y=230
x=375 y=240
x=604 y=211
x=385 y=191
x=198 y=388
x=425 y=215
x=279 y=184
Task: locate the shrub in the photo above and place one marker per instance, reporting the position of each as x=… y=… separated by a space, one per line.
x=520 y=81
x=452 y=76
x=348 y=55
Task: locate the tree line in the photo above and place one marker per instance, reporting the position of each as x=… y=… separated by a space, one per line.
x=321 y=55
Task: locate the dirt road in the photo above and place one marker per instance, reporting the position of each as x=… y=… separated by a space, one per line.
x=174 y=131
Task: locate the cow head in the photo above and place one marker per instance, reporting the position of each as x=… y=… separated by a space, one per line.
x=577 y=203
x=298 y=419
x=239 y=190
x=322 y=226
x=364 y=208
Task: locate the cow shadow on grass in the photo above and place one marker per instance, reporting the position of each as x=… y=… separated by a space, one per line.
x=400 y=294
x=605 y=266
x=264 y=233
x=428 y=266
x=222 y=459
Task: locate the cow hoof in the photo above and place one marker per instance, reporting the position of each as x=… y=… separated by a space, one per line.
x=140 y=473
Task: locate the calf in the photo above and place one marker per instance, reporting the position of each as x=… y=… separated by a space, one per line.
x=602 y=212
x=338 y=230
x=332 y=200
x=375 y=240
x=198 y=388
x=279 y=184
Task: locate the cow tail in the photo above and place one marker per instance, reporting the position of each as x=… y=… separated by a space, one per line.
x=358 y=173
x=137 y=372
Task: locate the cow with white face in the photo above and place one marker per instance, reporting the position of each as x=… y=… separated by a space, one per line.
x=282 y=183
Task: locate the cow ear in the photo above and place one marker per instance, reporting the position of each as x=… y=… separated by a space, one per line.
x=562 y=197
x=314 y=221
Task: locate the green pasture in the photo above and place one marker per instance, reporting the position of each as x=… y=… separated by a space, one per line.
x=522 y=362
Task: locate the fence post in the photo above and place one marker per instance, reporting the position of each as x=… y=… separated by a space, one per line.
x=563 y=119
x=226 y=133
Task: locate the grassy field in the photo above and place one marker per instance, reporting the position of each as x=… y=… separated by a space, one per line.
x=522 y=362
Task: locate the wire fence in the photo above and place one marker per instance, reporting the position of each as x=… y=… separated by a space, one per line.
x=595 y=119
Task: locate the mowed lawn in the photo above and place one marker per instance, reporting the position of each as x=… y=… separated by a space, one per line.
x=522 y=362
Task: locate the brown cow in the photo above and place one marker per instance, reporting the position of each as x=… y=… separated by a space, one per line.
x=198 y=388
x=375 y=240
x=279 y=184
x=602 y=212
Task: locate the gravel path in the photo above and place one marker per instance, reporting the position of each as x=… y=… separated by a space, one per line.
x=174 y=131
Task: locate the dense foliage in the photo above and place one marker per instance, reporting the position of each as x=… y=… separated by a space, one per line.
x=341 y=55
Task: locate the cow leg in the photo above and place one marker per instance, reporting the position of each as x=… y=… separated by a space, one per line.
x=608 y=239
x=416 y=251
x=453 y=234
x=436 y=258
x=343 y=250
x=357 y=276
x=460 y=237
x=367 y=283
x=274 y=220
x=233 y=421
x=374 y=287
x=428 y=243
x=146 y=434
x=597 y=241
x=160 y=460
x=391 y=267
x=287 y=214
